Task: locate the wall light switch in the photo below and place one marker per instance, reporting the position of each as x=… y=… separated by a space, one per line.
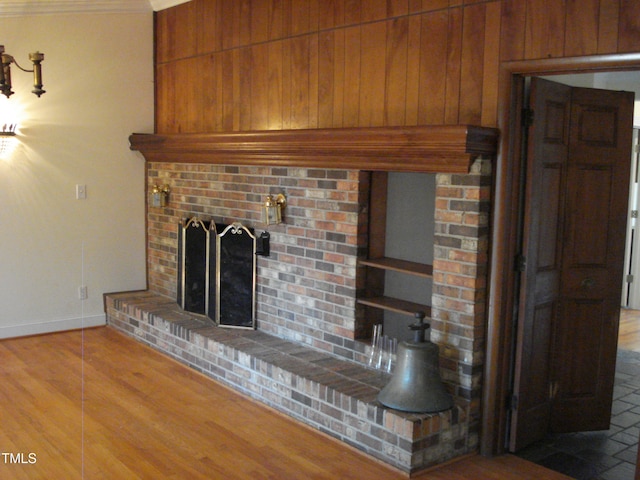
x=81 y=192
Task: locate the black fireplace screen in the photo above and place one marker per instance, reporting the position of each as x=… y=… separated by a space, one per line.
x=217 y=272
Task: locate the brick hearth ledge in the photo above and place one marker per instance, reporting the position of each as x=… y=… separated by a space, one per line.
x=338 y=397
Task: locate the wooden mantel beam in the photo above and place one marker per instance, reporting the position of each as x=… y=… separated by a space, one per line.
x=450 y=148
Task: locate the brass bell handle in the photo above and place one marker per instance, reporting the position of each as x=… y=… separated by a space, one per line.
x=588 y=283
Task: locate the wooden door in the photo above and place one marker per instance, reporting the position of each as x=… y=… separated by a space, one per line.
x=547 y=147
x=573 y=252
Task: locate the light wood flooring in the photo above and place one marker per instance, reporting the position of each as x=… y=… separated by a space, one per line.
x=629 y=332
x=95 y=404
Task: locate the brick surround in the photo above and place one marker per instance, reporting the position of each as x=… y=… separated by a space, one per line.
x=307 y=288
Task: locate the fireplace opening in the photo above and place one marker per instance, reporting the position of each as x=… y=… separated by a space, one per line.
x=217 y=271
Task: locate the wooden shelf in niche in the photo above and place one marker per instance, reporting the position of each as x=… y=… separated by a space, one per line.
x=402 y=266
x=374 y=299
x=397 y=305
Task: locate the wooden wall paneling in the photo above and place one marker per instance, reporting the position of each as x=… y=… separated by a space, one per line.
x=373 y=10
x=185 y=42
x=164 y=28
x=301 y=17
x=228 y=86
x=286 y=84
x=245 y=23
x=165 y=99
x=178 y=41
x=245 y=95
x=179 y=108
x=439 y=66
x=352 y=12
x=454 y=66
x=195 y=68
x=396 y=8
x=544 y=30
x=326 y=67
x=327 y=14
x=512 y=28
x=276 y=20
x=300 y=81
x=433 y=61
x=372 y=83
x=313 y=98
x=314 y=9
x=260 y=88
x=396 y=71
x=491 y=67
x=432 y=5
x=629 y=34
x=259 y=16
x=275 y=101
x=470 y=95
x=413 y=70
x=339 y=71
x=209 y=26
x=211 y=111
x=608 y=19
x=352 y=70
x=581 y=35
x=218 y=121
x=185 y=86
x=236 y=87
x=230 y=12
x=415 y=6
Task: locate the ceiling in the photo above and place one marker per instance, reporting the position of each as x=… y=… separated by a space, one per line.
x=10 y=8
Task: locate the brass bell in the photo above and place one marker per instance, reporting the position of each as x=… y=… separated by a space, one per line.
x=415 y=385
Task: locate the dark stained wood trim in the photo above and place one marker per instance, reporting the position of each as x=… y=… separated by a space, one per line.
x=450 y=148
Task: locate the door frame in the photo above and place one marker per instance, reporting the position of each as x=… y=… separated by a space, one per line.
x=631 y=291
x=502 y=281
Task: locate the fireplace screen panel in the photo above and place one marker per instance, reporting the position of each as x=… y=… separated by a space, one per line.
x=193 y=266
x=236 y=248
x=216 y=272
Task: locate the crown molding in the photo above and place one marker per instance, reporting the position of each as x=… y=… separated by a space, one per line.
x=15 y=8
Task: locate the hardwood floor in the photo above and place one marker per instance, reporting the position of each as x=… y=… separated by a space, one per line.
x=629 y=333
x=96 y=404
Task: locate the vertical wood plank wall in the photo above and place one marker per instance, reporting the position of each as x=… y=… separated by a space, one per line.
x=236 y=65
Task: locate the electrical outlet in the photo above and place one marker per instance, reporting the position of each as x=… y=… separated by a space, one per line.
x=82 y=292
x=81 y=192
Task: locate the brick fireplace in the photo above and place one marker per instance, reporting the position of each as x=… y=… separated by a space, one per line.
x=311 y=342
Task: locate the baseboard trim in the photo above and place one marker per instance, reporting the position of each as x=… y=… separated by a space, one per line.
x=53 y=326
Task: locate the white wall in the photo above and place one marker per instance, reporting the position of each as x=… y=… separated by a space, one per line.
x=98 y=74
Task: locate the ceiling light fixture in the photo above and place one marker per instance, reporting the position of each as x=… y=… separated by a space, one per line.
x=5 y=72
